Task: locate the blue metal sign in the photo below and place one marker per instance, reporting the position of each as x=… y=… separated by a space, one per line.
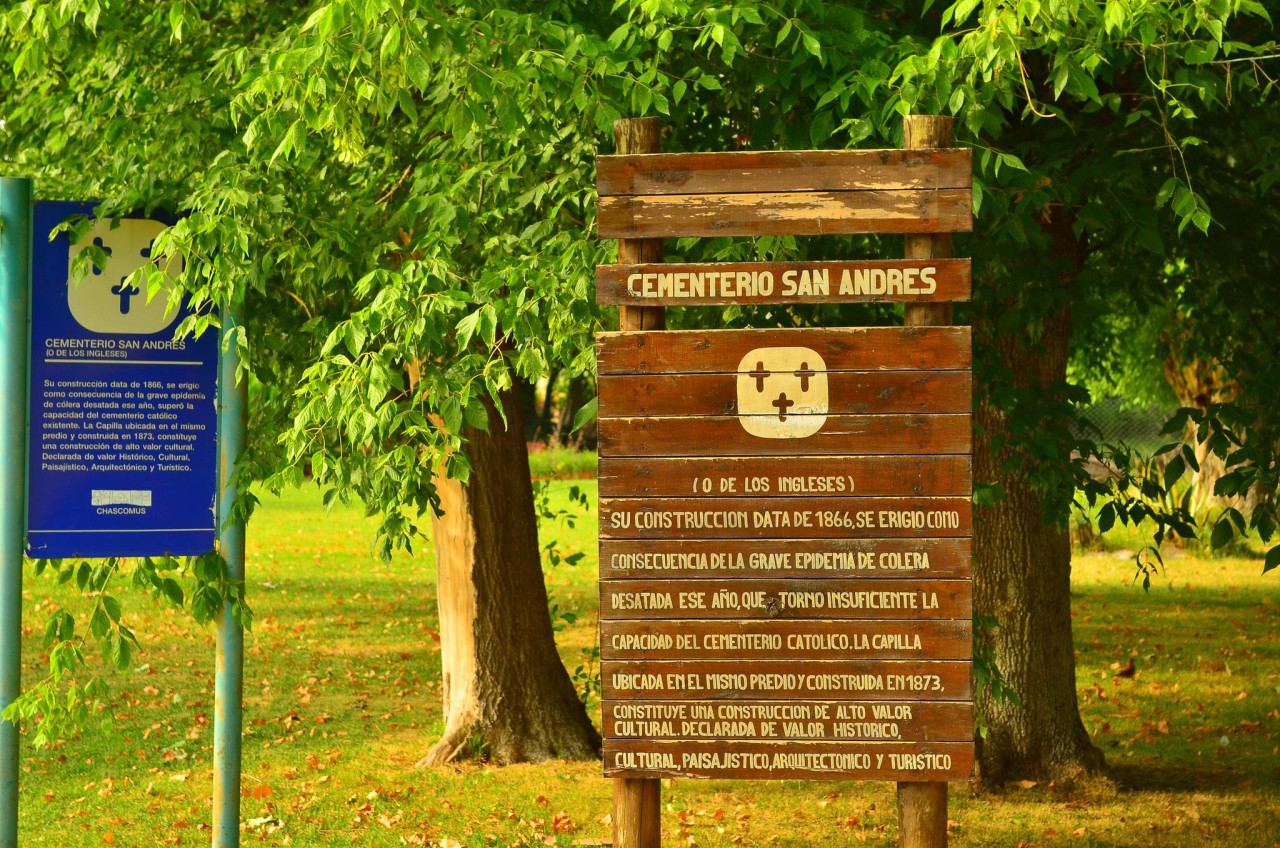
x=123 y=438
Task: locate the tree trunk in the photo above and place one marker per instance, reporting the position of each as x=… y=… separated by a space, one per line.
x=548 y=404
x=506 y=693
x=574 y=398
x=1022 y=569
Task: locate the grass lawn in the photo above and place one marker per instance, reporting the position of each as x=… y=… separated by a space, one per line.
x=342 y=688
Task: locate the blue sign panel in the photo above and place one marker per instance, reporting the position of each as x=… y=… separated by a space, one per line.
x=123 y=418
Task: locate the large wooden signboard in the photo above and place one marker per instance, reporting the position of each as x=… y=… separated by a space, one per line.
x=785 y=514
x=784 y=523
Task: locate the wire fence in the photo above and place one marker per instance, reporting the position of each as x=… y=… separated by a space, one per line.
x=1138 y=427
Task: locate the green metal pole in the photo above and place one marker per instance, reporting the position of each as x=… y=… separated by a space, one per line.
x=16 y=199
x=233 y=403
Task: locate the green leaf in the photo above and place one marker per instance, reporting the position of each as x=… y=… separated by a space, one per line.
x=1173 y=471
x=172 y=590
x=1222 y=534
x=586 y=414
x=1273 y=559
x=467 y=327
x=112 y=607
x=1106 y=518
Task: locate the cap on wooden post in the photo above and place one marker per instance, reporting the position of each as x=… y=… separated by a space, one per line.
x=639 y=135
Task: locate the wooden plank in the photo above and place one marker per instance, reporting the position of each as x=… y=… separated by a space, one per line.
x=836 y=435
x=764 y=599
x=794 y=477
x=827 y=213
x=848 y=392
x=784 y=518
x=716 y=283
x=788 y=680
x=912 y=559
x=783 y=170
x=843 y=349
x=789 y=639
x=789 y=760
x=915 y=721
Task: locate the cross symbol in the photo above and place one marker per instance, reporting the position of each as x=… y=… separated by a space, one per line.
x=804 y=374
x=758 y=375
x=106 y=250
x=125 y=292
x=782 y=403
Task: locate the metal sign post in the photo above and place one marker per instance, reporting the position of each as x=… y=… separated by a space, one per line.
x=228 y=708
x=15 y=275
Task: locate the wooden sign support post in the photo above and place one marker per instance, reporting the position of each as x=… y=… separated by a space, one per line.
x=637 y=803
x=785 y=514
x=922 y=807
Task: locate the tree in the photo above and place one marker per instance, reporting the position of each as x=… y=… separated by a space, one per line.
x=390 y=182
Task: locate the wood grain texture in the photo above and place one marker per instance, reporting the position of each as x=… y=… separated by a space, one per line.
x=842 y=349
x=783 y=170
x=764 y=599
x=849 y=392
x=709 y=284
x=785 y=639
x=796 y=760
x=871 y=435
x=865 y=721
x=922 y=807
x=786 y=680
x=785 y=213
x=785 y=518
x=776 y=476
x=637 y=804
x=888 y=559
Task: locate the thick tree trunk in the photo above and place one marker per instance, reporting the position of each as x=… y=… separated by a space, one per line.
x=506 y=693
x=1022 y=573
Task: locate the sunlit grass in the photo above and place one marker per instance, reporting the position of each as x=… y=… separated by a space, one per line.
x=342 y=690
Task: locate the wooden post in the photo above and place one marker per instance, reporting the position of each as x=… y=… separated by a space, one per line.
x=637 y=804
x=922 y=807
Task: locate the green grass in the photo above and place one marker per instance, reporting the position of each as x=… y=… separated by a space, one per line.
x=560 y=463
x=342 y=690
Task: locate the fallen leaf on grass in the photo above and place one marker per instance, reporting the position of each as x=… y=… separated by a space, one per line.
x=1079 y=831
x=1025 y=784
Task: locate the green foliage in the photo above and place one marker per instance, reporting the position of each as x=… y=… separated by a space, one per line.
x=70 y=695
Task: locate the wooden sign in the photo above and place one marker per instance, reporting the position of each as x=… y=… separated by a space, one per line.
x=784 y=521
x=813 y=192
x=679 y=284
x=785 y=515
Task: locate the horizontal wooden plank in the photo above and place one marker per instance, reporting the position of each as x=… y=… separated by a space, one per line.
x=785 y=213
x=791 y=476
x=836 y=435
x=913 y=559
x=716 y=283
x=783 y=170
x=841 y=349
x=778 y=640
x=850 y=721
x=784 y=518
x=790 y=680
x=848 y=392
x=902 y=761
x=767 y=599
